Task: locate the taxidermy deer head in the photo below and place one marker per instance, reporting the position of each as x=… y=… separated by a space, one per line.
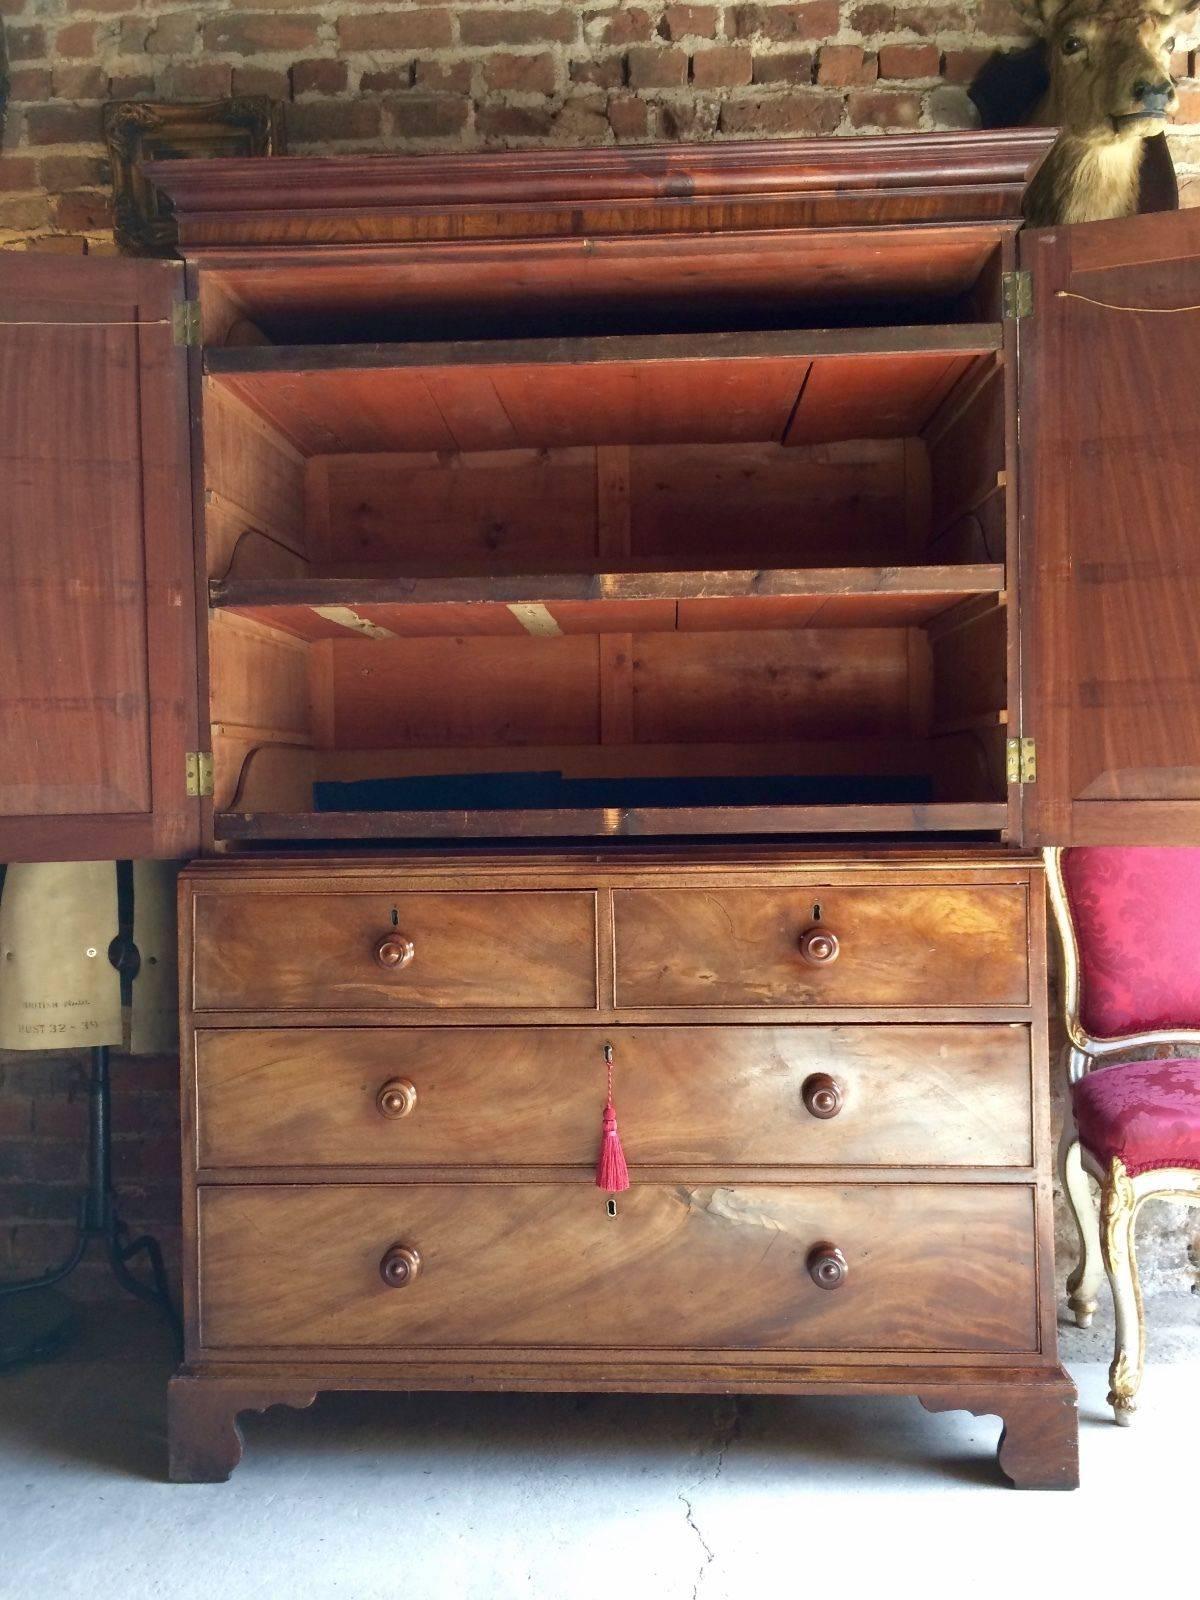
x=1109 y=65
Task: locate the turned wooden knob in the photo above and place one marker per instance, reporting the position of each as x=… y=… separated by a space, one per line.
x=819 y=946
x=400 y=1265
x=396 y=1098
x=823 y=1096
x=394 y=951
x=827 y=1266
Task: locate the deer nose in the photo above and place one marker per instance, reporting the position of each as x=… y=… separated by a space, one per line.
x=1152 y=96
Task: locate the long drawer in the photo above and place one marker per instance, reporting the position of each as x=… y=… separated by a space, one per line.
x=866 y=945
x=922 y=1267
x=407 y=950
x=939 y=1095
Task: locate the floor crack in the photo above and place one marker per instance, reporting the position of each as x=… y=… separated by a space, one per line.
x=725 y=1432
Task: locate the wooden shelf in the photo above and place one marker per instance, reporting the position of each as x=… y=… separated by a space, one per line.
x=548 y=604
x=611 y=822
x=797 y=386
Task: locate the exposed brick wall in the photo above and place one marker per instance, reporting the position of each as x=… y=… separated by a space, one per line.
x=43 y=1151
x=415 y=75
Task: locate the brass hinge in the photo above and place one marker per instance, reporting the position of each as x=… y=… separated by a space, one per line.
x=199 y=773
x=1017 y=294
x=1020 y=761
x=185 y=322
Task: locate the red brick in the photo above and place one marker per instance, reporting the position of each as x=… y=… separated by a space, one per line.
x=818 y=20
x=63 y=124
x=25 y=44
x=961 y=66
x=625 y=25
x=517 y=27
x=80 y=83
x=844 y=65
x=387 y=79
x=16 y=172
x=76 y=39
x=134 y=37
x=245 y=36
x=58 y=244
x=318 y=77
x=652 y=67
x=16 y=1110
x=199 y=80
x=1189 y=103
x=999 y=19
x=874 y=18
x=800 y=112
x=98 y=5
x=443 y=77
x=785 y=66
x=395 y=30
x=418 y=116
x=513 y=122
x=131 y=85
x=171 y=35
x=723 y=66
x=532 y=74
x=883 y=108
x=683 y=22
x=628 y=117
x=909 y=60
x=271 y=81
x=931 y=22
x=62 y=1116
x=316 y=121
x=52 y=1161
x=606 y=73
x=30 y=84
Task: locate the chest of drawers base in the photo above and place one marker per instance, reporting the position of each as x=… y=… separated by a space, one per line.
x=830 y=1077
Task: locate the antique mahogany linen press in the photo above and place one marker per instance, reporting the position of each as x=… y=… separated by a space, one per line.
x=609 y=616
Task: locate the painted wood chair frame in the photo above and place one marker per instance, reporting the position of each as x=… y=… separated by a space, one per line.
x=1106 y=1237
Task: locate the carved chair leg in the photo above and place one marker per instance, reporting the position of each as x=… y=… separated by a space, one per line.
x=1039 y=1447
x=204 y=1437
x=1118 y=1209
x=1084 y=1281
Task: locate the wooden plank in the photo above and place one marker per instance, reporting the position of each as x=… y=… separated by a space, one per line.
x=616 y=688
x=965 y=338
x=615 y=822
x=872 y=397
x=254 y=491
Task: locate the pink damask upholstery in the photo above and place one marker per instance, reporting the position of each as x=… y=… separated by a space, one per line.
x=1136 y=913
x=1146 y=1112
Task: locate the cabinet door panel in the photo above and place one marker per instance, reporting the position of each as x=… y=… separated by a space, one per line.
x=98 y=693
x=1110 y=492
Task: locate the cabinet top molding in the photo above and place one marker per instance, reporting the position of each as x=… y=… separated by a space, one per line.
x=908 y=179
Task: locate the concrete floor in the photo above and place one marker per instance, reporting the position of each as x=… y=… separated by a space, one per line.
x=572 y=1498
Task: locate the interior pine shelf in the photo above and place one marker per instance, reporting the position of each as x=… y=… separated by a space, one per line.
x=607 y=602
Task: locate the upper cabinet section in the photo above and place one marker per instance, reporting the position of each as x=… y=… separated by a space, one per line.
x=98 y=694
x=1110 y=425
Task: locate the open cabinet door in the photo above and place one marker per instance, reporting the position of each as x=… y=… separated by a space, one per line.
x=1110 y=520
x=98 y=691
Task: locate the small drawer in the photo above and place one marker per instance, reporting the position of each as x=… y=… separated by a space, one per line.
x=951 y=1095
x=885 y=1267
x=337 y=952
x=867 y=945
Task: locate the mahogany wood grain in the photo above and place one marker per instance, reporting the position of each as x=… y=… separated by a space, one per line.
x=98 y=677
x=709 y=1266
x=474 y=950
x=911 y=178
x=730 y=1096
x=937 y=945
x=1108 y=467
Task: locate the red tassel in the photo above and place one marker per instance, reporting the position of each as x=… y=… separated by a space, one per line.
x=612 y=1174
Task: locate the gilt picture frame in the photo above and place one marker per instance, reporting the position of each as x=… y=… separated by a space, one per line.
x=140 y=130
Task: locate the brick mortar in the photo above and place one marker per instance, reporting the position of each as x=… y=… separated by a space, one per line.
x=500 y=75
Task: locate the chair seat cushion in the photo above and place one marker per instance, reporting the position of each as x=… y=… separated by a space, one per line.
x=1146 y=1112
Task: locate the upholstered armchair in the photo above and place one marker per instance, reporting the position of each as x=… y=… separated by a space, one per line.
x=1129 y=921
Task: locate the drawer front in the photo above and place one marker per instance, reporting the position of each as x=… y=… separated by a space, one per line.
x=319 y=952
x=928 y=1267
x=893 y=946
x=903 y=1095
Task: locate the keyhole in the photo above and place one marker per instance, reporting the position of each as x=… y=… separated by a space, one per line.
x=816 y=911
x=395 y=918
x=611 y=1207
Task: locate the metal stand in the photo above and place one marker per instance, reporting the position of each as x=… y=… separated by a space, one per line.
x=98 y=1219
